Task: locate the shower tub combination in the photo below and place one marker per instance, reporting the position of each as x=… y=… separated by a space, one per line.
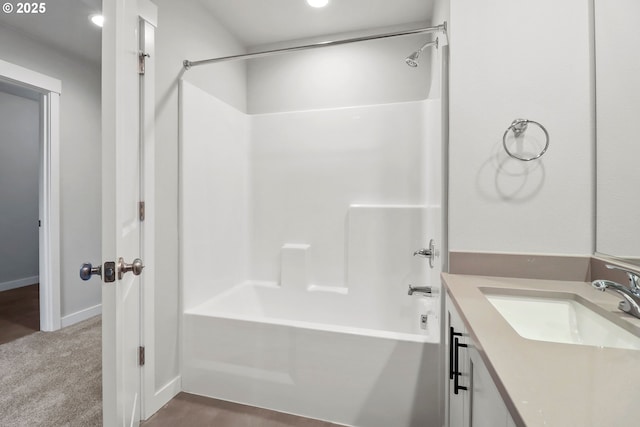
x=311 y=354
x=297 y=235
x=366 y=354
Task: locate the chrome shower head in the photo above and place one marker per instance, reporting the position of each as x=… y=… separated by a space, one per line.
x=412 y=60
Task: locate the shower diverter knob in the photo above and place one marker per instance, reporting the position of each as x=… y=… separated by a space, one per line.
x=429 y=252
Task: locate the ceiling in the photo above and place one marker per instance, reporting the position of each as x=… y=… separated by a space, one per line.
x=258 y=22
x=65 y=26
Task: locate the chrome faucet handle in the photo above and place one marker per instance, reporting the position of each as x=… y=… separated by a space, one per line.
x=634 y=277
x=631 y=302
x=429 y=252
x=424 y=252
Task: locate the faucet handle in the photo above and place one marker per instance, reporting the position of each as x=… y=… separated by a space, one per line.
x=428 y=252
x=634 y=277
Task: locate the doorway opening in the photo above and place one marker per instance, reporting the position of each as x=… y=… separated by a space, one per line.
x=32 y=233
x=19 y=211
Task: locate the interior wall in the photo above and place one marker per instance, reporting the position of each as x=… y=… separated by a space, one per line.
x=364 y=73
x=527 y=59
x=19 y=196
x=80 y=200
x=186 y=30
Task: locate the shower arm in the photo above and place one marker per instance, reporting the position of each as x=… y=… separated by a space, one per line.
x=438 y=28
x=428 y=44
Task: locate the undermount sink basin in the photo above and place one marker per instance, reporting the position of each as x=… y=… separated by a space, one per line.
x=561 y=320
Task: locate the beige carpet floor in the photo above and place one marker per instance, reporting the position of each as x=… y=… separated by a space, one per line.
x=53 y=379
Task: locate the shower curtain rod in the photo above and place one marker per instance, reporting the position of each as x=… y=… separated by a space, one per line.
x=188 y=64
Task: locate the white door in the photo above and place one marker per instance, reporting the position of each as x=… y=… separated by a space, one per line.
x=120 y=213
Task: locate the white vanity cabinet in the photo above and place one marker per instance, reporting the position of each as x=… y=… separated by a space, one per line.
x=456 y=372
x=472 y=399
x=486 y=405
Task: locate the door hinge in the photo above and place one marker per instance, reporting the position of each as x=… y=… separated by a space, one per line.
x=141 y=62
x=141 y=356
x=141 y=210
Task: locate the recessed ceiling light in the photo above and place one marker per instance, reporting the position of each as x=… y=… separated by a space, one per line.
x=97 y=19
x=318 y=3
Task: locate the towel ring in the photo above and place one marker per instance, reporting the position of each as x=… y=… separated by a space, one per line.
x=519 y=126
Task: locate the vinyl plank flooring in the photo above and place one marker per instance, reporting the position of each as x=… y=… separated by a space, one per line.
x=197 y=411
x=19 y=312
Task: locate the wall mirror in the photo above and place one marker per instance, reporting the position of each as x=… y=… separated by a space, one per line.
x=617 y=47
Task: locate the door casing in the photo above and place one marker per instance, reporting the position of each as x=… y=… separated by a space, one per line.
x=49 y=203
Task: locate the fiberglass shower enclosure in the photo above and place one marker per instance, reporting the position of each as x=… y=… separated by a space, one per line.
x=299 y=220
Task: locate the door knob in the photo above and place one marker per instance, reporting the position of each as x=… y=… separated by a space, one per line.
x=135 y=267
x=87 y=270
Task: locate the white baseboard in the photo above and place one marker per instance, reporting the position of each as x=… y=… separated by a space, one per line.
x=20 y=283
x=79 y=316
x=163 y=396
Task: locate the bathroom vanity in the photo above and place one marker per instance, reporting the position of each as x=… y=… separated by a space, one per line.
x=472 y=396
x=525 y=352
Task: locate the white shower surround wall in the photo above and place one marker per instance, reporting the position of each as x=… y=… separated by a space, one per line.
x=297 y=235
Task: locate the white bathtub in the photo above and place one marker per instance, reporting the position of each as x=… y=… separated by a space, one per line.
x=362 y=361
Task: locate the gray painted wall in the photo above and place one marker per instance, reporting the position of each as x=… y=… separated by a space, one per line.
x=80 y=170
x=19 y=172
x=499 y=204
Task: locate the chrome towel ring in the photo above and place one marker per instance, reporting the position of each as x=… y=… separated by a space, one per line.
x=519 y=126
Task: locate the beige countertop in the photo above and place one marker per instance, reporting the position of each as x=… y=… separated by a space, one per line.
x=545 y=383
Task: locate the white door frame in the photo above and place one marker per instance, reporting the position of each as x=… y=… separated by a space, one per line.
x=49 y=203
x=154 y=395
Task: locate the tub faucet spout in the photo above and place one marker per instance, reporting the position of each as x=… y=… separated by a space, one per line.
x=631 y=302
x=425 y=290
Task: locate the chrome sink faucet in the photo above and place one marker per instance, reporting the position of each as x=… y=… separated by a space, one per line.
x=631 y=294
x=634 y=278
